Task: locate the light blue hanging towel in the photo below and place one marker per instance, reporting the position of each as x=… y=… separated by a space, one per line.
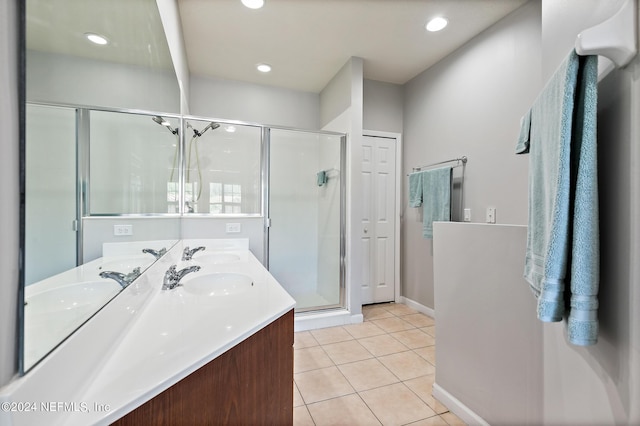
x=415 y=189
x=436 y=198
x=562 y=238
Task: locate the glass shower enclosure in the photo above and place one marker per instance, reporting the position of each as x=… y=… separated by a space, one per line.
x=305 y=225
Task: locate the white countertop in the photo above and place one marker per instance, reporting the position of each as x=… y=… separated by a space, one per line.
x=171 y=333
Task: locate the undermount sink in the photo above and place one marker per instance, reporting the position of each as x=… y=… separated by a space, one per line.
x=76 y=297
x=218 y=284
x=215 y=258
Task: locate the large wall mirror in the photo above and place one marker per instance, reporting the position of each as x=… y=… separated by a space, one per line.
x=101 y=145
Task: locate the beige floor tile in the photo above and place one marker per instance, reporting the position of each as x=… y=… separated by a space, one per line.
x=414 y=338
x=392 y=324
x=431 y=421
x=376 y=313
x=297 y=398
x=396 y=405
x=399 y=309
x=368 y=374
x=364 y=329
x=382 y=345
x=428 y=353
x=407 y=365
x=344 y=352
x=419 y=320
x=310 y=359
x=301 y=416
x=452 y=419
x=431 y=330
x=331 y=335
x=346 y=410
x=322 y=384
x=304 y=339
x=422 y=386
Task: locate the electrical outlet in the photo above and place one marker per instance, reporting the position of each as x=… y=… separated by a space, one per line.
x=491 y=215
x=233 y=228
x=467 y=215
x=122 y=230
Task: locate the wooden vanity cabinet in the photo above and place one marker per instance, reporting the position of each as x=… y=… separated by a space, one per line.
x=250 y=384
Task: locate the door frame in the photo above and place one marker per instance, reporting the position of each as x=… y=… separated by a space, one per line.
x=398 y=203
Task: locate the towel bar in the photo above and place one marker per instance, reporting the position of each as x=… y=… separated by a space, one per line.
x=615 y=39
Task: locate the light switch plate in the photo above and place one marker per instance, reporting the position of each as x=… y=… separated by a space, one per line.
x=122 y=230
x=233 y=228
x=491 y=215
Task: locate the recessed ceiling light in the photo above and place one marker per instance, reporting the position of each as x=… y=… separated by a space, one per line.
x=96 y=38
x=253 y=4
x=263 y=67
x=437 y=23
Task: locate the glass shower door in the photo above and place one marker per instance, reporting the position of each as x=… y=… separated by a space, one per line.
x=306 y=212
x=50 y=200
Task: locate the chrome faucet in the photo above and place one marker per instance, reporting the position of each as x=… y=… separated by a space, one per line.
x=172 y=277
x=187 y=254
x=123 y=279
x=156 y=253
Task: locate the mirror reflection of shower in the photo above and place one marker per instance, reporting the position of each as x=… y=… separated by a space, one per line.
x=192 y=152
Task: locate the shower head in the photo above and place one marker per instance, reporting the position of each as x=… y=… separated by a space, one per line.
x=161 y=121
x=213 y=125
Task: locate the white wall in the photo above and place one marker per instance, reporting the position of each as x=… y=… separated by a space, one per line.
x=67 y=79
x=207 y=228
x=383 y=105
x=609 y=370
x=349 y=80
x=99 y=230
x=172 y=25
x=561 y=384
x=9 y=191
x=489 y=347
x=470 y=104
x=254 y=103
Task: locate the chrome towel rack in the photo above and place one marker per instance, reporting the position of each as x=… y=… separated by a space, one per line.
x=614 y=38
x=460 y=160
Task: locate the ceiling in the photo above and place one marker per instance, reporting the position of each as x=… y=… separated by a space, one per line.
x=133 y=27
x=308 y=41
x=305 y=41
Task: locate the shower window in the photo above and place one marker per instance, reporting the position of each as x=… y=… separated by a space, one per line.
x=225 y=198
x=172 y=197
x=222 y=168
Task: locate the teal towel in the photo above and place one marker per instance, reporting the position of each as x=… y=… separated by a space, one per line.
x=415 y=189
x=436 y=198
x=321 y=177
x=562 y=238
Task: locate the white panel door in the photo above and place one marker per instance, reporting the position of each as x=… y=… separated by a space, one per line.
x=378 y=221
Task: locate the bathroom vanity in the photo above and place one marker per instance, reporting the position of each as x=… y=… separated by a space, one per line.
x=249 y=384
x=216 y=349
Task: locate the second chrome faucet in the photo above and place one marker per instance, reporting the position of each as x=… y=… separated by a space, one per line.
x=172 y=277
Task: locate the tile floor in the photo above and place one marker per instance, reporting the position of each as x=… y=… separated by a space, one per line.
x=379 y=372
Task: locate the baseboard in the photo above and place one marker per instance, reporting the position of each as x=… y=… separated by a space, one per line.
x=418 y=307
x=456 y=407
x=315 y=320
